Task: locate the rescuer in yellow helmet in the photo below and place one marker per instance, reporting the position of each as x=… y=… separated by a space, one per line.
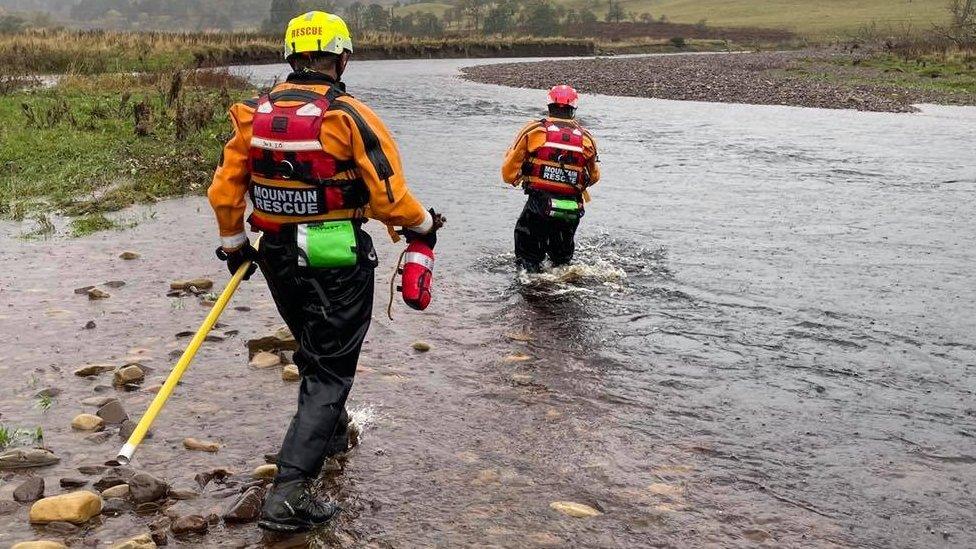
x=315 y=163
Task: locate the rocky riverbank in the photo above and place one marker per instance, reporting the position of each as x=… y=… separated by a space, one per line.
x=804 y=79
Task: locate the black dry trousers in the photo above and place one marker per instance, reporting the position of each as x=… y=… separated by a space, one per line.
x=537 y=234
x=328 y=312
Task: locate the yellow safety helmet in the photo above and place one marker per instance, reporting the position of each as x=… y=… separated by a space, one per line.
x=317 y=31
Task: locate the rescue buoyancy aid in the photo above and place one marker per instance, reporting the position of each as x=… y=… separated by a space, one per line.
x=559 y=165
x=293 y=179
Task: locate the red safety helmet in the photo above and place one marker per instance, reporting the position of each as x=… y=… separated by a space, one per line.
x=563 y=95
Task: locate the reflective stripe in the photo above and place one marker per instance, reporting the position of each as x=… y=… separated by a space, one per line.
x=234 y=241
x=301 y=237
x=563 y=147
x=274 y=145
x=420 y=259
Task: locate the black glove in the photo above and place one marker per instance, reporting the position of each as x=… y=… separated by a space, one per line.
x=238 y=257
x=430 y=239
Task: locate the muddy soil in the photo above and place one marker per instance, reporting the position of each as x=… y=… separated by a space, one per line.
x=768 y=338
x=804 y=79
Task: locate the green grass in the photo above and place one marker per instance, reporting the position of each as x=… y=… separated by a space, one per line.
x=437 y=8
x=19 y=437
x=953 y=73
x=73 y=149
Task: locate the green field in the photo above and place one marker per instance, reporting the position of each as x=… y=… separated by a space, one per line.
x=812 y=18
x=437 y=8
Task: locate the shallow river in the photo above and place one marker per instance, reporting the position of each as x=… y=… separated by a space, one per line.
x=769 y=337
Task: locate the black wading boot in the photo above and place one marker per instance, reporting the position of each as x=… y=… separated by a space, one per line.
x=291 y=508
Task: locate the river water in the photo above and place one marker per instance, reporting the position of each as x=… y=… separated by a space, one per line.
x=769 y=336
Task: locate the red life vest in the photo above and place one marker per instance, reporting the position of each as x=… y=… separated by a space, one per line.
x=559 y=165
x=293 y=179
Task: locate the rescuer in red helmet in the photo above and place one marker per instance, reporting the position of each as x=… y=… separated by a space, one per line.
x=315 y=163
x=554 y=159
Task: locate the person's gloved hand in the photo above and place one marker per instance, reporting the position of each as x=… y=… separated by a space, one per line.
x=430 y=239
x=238 y=257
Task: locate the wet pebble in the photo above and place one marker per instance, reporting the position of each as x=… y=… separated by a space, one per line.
x=115 y=284
x=69 y=482
x=39 y=544
x=200 y=445
x=144 y=488
x=575 y=510
x=191 y=284
x=265 y=472
x=30 y=490
x=290 y=373
x=96 y=293
x=99 y=437
x=112 y=412
x=94 y=370
x=83 y=290
x=214 y=474
x=75 y=507
x=265 y=359
x=190 y=524
x=143 y=541
x=90 y=325
x=183 y=493
x=119 y=491
x=87 y=422
x=128 y=374
x=114 y=507
x=61 y=528
x=421 y=346
x=129 y=255
x=92 y=469
x=49 y=392
x=24 y=458
x=113 y=478
x=247 y=508
x=97 y=401
x=279 y=340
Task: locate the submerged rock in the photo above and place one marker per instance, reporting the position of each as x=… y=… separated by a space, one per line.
x=61 y=527
x=8 y=507
x=421 y=346
x=97 y=401
x=93 y=370
x=39 y=544
x=92 y=469
x=144 y=488
x=281 y=340
x=96 y=293
x=573 y=509
x=200 y=445
x=90 y=325
x=115 y=284
x=290 y=373
x=113 y=478
x=114 y=507
x=183 y=493
x=83 y=290
x=99 y=437
x=69 y=482
x=144 y=541
x=129 y=256
x=130 y=373
x=87 y=422
x=23 y=458
x=75 y=507
x=197 y=283
x=247 y=508
x=119 y=491
x=190 y=524
x=264 y=359
x=30 y=490
x=112 y=412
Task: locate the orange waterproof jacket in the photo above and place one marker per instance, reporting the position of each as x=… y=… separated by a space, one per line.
x=346 y=130
x=533 y=136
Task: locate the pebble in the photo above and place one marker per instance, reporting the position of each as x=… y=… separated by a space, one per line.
x=290 y=373
x=83 y=290
x=520 y=336
x=112 y=412
x=198 y=283
x=69 y=482
x=120 y=491
x=264 y=359
x=115 y=284
x=96 y=293
x=30 y=490
x=129 y=256
x=183 y=493
x=97 y=401
x=39 y=544
x=190 y=524
x=573 y=509
x=144 y=541
x=113 y=507
x=204 y=478
x=247 y=508
x=113 y=478
x=93 y=370
x=23 y=458
x=131 y=373
x=421 y=346
x=200 y=445
x=517 y=357
x=49 y=392
x=87 y=422
x=265 y=472
x=90 y=325
x=144 y=488
x=62 y=528
x=92 y=469
x=75 y=507
x=279 y=340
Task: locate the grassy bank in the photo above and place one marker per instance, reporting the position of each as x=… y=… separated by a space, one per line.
x=95 y=144
x=96 y=52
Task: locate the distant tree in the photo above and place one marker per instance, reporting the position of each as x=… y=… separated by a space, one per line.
x=615 y=13
x=540 y=19
x=500 y=18
x=646 y=18
x=11 y=24
x=282 y=11
x=428 y=25
x=376 y=18
x=587 y=17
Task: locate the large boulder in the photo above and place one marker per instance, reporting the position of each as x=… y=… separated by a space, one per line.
x=30 y=490
x=75 y=507
x=144 y=488
x=24 y=458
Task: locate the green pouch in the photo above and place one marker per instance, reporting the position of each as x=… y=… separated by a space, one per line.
x=564 y=209
x=327 y=245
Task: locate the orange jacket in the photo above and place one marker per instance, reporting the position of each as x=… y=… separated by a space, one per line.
x=343 y=129
x=530 y=138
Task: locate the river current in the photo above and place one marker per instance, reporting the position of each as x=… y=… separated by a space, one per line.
x=768 y=338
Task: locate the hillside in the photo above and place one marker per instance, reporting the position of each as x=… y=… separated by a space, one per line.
x=823 y=17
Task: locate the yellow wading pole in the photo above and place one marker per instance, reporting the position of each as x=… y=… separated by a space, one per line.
x=129 y=448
